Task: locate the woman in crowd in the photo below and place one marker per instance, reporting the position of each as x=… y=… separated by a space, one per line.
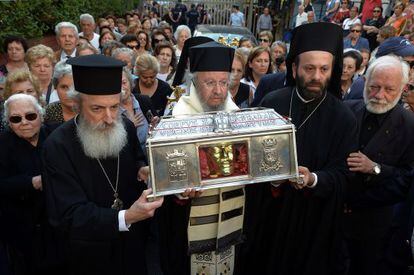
x=147 y=68
x=158 y=36
x=372 y=26
x=165 y=54
x=144 y=43
x=258 y=64
x=397 y=20
x=22 y=82
x=24 y=222
x=40 y=61
x=366 y=55
x=342 y=13
x=62 y=110
x=146 y=25
x=105 y=37
x=136 y=108
x=278 y=51
x=126 y=55
x=181 y=35
x=15 y=47
x=351 y=89
x=240 y=92
x=85 y=49
x=246 y=42
x=265 y=39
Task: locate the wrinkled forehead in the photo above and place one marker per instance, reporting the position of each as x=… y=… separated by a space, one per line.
x=316 y=57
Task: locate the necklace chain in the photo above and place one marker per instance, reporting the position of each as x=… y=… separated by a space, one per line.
x=314 y=110
x=109 y=181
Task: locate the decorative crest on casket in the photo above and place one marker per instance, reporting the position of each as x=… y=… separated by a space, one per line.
x=177 y=165
x=222 y=122
x=271 y=159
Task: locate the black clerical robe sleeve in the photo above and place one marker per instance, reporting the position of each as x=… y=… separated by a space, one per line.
x=335 y=172
x=69 y=207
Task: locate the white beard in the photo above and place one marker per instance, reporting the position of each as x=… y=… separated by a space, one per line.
x=379 y=106
x=102 y=141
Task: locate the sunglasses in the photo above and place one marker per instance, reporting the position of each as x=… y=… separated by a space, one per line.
x=158 y=40
x=411 y=63
x=133 y=47
x=263 y=40
x=18 y=119
x=357 y=31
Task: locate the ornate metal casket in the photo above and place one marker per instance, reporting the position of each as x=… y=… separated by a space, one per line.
x=219 y=149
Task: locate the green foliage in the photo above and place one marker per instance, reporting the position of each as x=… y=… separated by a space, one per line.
x=33 y=18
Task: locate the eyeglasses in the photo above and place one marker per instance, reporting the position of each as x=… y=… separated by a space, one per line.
x=263 y=40
x=212 y=84
x=357 y=31
x=18 y=119
x=136 y=47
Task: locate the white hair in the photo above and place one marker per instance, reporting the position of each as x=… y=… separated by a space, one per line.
x=389 y=61
x=66 y=25
x=87 y=17
x=385 y=62
x=180 y=29
x=124 y=50
x=21 y=97
x=61 y=69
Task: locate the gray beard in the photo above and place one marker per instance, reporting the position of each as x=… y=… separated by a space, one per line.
x=102 y=141
x=207 y=108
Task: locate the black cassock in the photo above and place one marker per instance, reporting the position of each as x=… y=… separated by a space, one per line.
x=79 y=199
x=291 y=231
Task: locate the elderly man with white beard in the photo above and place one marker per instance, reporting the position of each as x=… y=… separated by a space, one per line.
x=383 y=165
x=193 y=240
x=93 y=171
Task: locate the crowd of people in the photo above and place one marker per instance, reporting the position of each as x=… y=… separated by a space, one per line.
x=73 y=164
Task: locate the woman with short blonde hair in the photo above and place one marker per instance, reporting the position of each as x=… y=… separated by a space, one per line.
x=147 y=68
x=21 y=82
x=40 y=60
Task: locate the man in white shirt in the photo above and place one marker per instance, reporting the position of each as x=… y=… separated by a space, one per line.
x=236 y=17
x=301 y=17
x=87 y=23
x=67 y=38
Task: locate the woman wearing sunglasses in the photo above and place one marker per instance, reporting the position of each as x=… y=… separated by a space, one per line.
x=24 y=222
x=372 y=26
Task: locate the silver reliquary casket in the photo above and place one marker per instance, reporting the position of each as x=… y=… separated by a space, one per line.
x=219 y=149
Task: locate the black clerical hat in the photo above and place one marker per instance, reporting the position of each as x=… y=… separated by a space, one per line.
x=182 y=63
x=319 y=36
x=211 y=56
x=97 y=74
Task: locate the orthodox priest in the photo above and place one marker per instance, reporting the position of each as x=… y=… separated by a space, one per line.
x=91 y=169
x=295 y=227
x=199 y=235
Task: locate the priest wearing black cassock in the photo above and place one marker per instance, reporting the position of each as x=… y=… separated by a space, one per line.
x=295 y=227
x=91 y=166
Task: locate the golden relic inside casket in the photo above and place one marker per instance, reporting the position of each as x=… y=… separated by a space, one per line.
x=220 y=149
